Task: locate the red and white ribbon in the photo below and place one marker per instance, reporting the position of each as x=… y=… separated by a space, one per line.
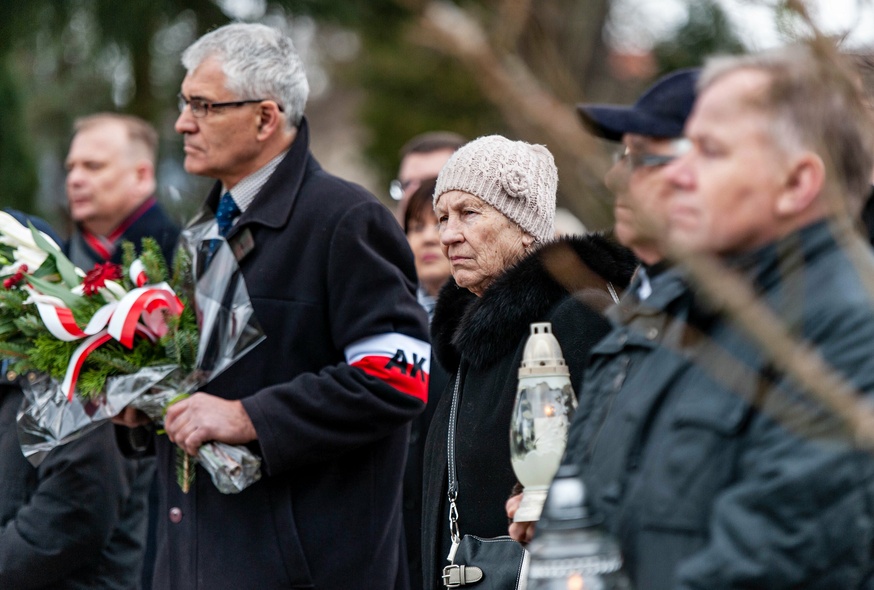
x=88 y=346
x=138 y=273
x=100 y=318
x=124 y=320
x=60 y=322
x=121 y=320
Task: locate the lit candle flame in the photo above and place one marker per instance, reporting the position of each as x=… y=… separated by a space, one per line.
x=576 y=582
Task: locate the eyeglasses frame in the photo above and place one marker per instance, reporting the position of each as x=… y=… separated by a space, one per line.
x=211 y=106
x=646 y=160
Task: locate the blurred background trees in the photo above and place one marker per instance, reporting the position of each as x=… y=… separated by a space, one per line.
x=381 y=71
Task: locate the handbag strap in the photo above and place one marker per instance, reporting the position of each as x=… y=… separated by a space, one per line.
x=450 y=457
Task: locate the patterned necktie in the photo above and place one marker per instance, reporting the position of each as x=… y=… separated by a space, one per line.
x=226 y=213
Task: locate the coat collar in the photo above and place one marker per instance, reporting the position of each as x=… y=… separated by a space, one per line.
x=273 y=204
x=485 y=329
x=667 y=287
x=771 y=264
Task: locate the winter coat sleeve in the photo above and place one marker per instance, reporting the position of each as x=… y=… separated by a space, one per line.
x=374 y=317
x=797 y=517
x=68 y=520
x=799 y=514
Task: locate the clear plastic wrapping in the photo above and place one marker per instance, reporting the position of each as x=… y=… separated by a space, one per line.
x=227 y=330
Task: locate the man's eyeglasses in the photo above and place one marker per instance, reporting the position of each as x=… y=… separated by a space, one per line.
x=637 y=160
x=200 y=108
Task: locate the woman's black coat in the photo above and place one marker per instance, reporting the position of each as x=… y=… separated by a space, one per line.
x=486 y=337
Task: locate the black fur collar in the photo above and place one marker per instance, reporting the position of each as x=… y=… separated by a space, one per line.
x=485 y=329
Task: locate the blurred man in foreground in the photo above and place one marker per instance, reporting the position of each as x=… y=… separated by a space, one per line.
x=650 y=135
x=111 y=188
x=731 y=474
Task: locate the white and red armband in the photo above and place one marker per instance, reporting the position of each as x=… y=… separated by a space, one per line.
x=401 y=361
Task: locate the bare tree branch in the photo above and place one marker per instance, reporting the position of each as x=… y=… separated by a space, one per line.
x=529 y=109
x=513 y=17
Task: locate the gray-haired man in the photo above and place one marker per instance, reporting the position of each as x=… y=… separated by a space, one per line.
x=325 y=400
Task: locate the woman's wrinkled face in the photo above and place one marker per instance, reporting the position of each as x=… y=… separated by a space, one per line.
x=479 y=241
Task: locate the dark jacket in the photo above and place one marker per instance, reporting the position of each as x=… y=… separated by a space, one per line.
x=57 y=520
x=138 y=523
x=153 y=223
x=867 y=218
x=413 y=474
x=485 y=337
x=62 y=525
x=329 y=268
x=711 y=467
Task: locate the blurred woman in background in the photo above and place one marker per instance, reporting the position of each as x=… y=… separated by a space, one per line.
x=420 y=225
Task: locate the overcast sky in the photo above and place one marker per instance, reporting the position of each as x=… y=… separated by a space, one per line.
x=641 y=22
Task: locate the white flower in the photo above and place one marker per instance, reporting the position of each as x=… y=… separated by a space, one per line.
x=514 y=181
x=32 y=258
x=13 y=233
x=37 y=297
x=112 y=291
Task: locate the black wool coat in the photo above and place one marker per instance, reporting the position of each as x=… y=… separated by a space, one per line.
x=154 y=223
x=70 y=523
x=58 y=520
x=565 y=283
x=329 y=267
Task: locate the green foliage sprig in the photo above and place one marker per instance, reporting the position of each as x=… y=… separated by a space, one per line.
x=25 y=339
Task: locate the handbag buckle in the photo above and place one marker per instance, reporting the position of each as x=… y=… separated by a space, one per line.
x=461 y=575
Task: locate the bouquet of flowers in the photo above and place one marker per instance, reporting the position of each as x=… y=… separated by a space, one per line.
x=96 y=342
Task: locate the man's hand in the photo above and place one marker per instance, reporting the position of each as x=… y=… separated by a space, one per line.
x=203 y=418
x=519 y=531
x=131 y=417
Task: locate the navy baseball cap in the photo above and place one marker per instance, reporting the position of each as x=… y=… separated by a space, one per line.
x=660 y=112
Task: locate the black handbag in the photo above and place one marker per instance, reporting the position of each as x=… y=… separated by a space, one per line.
x=497 y=563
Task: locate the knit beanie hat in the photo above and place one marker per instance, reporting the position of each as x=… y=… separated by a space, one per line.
x=516 y=178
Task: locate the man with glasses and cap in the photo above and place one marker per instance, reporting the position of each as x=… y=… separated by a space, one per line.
x=650 y=134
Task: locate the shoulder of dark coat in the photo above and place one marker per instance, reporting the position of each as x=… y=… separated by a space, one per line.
x=37 y=222
x=342 y=192
x=485 y=329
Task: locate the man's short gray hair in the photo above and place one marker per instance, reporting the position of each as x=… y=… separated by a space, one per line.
x=815 y=103
x=258 y=61
x=140 y=133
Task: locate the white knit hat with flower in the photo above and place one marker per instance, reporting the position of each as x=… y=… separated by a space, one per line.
x=516 y=178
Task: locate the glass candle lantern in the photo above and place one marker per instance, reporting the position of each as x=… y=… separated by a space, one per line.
x=545 y=404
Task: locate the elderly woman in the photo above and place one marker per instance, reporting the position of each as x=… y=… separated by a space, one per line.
x=495 y=206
